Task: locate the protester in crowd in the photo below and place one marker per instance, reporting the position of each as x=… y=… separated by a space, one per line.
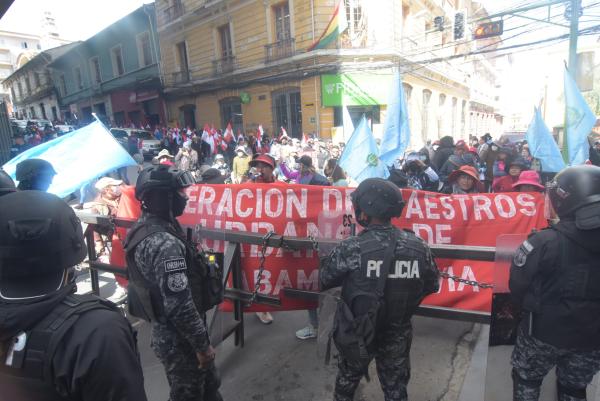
x=305 y=172
x=443 y=153
x=529 y=181
x=164 y=157
x=18 y=147
x=335 y=152
x=335 y=174
x=322 y=157
x=419 y=174
x=487 y=152
x=187 y=158
x=595 y=153
x=454 y=162
x=241 y=165
x=513 y=169
x=502 y=159
x=465 y=180
x=221 y=166
x=211 y=176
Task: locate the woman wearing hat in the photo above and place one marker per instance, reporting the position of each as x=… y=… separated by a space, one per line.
x=465 y=180
x=514 y=169
x=264 y=165
x=164 y=157
x=529 y=181
x=241 y=165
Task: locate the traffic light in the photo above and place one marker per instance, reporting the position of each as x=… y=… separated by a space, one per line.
x=459 y=25
x=489 y=29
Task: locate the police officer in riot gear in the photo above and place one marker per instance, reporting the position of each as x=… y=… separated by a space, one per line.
x=169 y=284
x=34 y=174
x=409 y=276
x=7 y=185
x=555 y=278
x=55 y=345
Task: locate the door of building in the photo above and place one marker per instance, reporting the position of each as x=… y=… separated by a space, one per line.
x=187 y=115
x=287 y=112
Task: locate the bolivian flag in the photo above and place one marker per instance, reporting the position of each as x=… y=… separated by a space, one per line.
x=337 y=25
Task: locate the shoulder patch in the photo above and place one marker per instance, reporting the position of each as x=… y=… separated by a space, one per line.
x=177 y=282
x=520 y=257
x=176 y=264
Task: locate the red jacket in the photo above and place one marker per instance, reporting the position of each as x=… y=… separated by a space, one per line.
x=504 y=184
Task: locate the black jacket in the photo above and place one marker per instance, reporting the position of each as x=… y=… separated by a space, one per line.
x=555 y=277
x=96 y=359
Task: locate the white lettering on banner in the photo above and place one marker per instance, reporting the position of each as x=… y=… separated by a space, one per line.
x=448 y=212
x=225 y=207
x=259 y=203
x=429 y=237
x=206 y=198
x=310 y=283
x=528 y=203
x=430 y=205
x=466 y=274
x=462 y=200
x=238 y=203
x=282 y=281
x=502 y=212
x=349 y=207
x=192 y=198
x=336 y=194
x=265 y=282
x=419 y=228
x=301 y=205
x=439 y=234
x=269 y=203
x=413 y=206
x=289 y=231
x=482 y=204
x=402 y=269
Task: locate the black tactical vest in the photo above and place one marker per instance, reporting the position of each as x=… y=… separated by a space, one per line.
x=28 y=375
x=144 y=297
x=569 y=298
x=405 y=281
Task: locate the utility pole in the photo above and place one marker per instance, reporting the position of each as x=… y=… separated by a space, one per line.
x=572 y=65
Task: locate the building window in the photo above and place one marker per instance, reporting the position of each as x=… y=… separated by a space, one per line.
x=20 y=89
x=372 y=114
x=407 y=91
x=231 y=112
x=117 y=61
x=43 y=109
x=454 y=110
x=78 y=79
x=282 y=21
x=225 y=39
x=36 y=79
x=182 y=58
x=31 y=112
x=39 y=47
x=28 y=84
x=355 y=17
x=12 y=93
x=24 y=45
x=287 y=111
x=425 y=114
x=95 y=68
x=63 y=85
x=144 y=49
x=463 y=116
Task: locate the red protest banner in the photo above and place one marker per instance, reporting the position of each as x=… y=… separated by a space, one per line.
x=324 y=212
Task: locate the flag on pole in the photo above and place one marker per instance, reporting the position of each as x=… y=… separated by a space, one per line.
x=347 y=123
x=396 y=130
x=542 y=145
x=259 y=137
x=304 y=141
x=228 y=135
x=282 y=134
x=337 y=25
x=78 y=157
x=360 y=158
x=579 y=121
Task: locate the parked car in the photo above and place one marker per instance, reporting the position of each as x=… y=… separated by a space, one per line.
x=18 y=126
x=64 y=129
x=41 y=123
x=149 y=145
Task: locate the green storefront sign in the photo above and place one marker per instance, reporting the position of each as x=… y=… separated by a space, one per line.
x=361 y=89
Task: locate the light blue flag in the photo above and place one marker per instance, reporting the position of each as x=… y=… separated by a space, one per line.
x=542 y=145
x=347 y=123
x=78 y=157
x=360 y=158
x=579 y=122
x=396 y=130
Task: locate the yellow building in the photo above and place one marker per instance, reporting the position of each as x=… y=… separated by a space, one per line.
x=249 y=62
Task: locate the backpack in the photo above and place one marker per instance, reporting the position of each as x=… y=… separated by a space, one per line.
x=355 y=328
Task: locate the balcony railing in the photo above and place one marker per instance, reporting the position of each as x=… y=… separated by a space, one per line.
x=173 y=12
x=181 y=77
x=224 y=65
x=281 y=49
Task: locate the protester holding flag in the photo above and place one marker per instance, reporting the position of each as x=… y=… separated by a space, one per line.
x=595 y=153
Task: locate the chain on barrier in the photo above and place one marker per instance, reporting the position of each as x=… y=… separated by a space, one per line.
x=261 y=266
x=465 y=281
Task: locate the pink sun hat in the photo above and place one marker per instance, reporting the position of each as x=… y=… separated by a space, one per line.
x=529 y=177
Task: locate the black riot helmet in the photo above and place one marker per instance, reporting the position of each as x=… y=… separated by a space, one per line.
x=575 y=192
x=34 y=174
x=157 y=187
x=7 y=185
x=40 y=240
x=379 y=198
